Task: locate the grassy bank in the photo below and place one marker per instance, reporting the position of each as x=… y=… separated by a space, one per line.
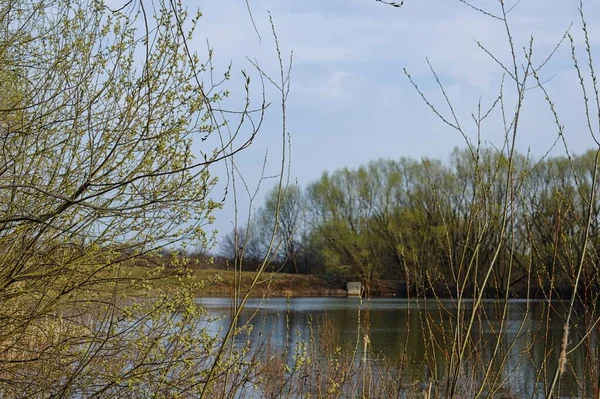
x=219 y=282
x=212 y=282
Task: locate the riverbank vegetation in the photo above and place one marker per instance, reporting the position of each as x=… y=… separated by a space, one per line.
x=419 y=221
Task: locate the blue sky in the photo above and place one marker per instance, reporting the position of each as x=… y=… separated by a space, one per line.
x=350 y=101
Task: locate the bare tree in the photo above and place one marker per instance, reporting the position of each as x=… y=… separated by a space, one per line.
x=242 y=246
x=283 y=214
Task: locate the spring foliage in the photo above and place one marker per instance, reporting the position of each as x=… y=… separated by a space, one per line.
x=104 y=125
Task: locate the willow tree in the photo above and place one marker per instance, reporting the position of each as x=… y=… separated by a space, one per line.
x=104 y=123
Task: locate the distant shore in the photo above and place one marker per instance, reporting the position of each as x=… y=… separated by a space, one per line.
x=221 y=283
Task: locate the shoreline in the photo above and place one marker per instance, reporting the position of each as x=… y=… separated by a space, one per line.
x=220 y=284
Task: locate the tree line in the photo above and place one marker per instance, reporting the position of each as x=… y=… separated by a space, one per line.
x=434 y=223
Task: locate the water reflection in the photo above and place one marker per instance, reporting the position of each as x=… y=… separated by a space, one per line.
x=420 y=333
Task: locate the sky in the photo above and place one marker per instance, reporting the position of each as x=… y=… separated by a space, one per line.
x=350 y=100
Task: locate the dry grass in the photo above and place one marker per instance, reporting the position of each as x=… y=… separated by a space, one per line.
x=213 y=282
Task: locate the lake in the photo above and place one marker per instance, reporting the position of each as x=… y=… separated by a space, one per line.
x=418 y=334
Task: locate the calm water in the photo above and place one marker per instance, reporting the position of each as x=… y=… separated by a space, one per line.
x=419 y=331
